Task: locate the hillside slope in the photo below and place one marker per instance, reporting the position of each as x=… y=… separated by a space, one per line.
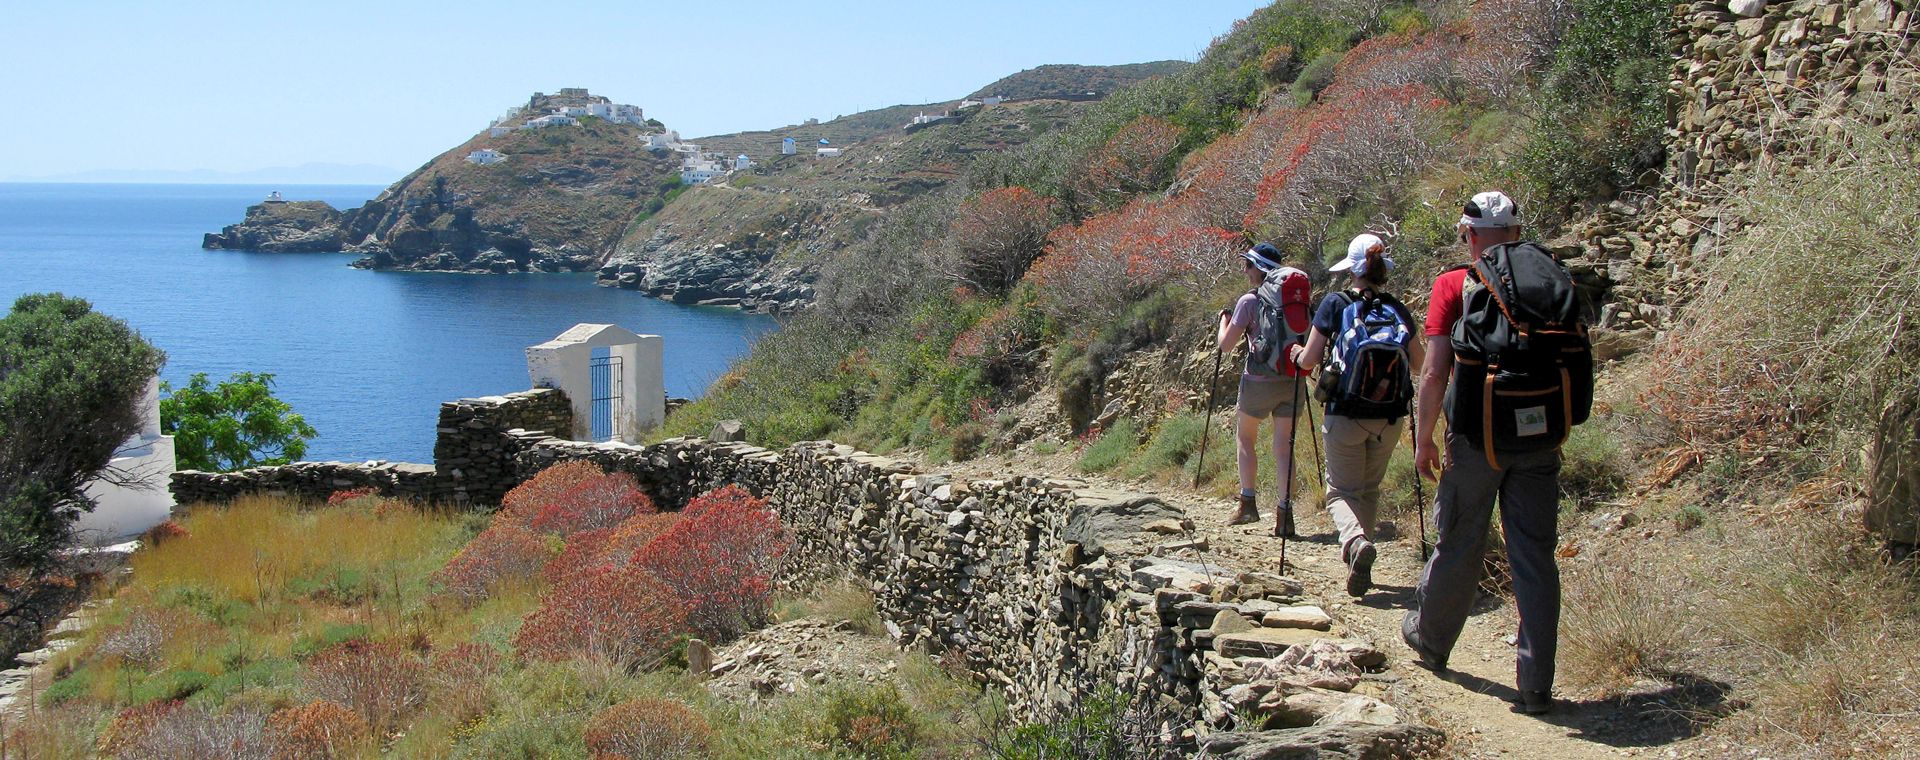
x=754 y=239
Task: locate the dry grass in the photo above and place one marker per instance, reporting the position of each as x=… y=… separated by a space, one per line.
x=1618 y=629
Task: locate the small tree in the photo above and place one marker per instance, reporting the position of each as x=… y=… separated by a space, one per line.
x=70 y=382
x=232 y=426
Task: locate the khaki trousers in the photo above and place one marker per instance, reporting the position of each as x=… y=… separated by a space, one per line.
x=1357 y=456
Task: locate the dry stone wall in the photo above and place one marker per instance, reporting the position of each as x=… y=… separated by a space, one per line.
x=474 y=458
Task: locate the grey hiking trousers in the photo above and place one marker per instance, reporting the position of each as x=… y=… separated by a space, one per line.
x=1357 y=455
x=1528 y=488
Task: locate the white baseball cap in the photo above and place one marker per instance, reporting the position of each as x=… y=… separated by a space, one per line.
x=1491 y=209
x=1357 y=251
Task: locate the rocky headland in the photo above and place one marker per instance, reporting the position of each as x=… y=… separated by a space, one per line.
x=282 y=227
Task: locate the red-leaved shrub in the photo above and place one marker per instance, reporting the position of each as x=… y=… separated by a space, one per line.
x=524 y=502
x=599 y=502
x=501 y=553
x=617 y=614
x=380 y=681
x=606 y=547
x=996 y=237
x=645 y=729
x=172 y=730
x=457 y=680
x=320 y=730
x=164 y=532
x=719 y=560
x=343 y=496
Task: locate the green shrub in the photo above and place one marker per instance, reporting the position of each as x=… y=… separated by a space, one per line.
x=1174 y=442
x=1113 y=447
x=868 y=721
x=1107 y=724
x=1601 y=112
x=1592 y=465
x=1315 y=77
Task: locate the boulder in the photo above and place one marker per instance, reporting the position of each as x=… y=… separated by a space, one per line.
x=1303 y=616
x=1342 y=741
x=1102 y=517
x=1747 y=8
x=728 y=431
x=1262 y=642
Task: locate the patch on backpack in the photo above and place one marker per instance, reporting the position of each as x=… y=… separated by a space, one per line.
x=1530 y=421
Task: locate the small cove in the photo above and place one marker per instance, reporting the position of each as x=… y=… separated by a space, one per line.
x=366 y=356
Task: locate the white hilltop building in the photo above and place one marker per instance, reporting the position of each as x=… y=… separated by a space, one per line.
x=788 y=147
x=613 y=379
x=826 y=152
x=135 y=498
x=742 y=162
x=552 y=120
x=486 y=157
x=700 y=169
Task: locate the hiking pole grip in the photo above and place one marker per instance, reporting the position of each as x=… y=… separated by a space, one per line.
x=1213 y=388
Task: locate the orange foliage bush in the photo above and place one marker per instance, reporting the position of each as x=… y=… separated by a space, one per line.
x=380 y=681
x=719 y=560
x=1095 y=269
x=320 y=730
x=1361 y=147
x=996 y=237
x=166 y=531
x=618 y=614
x=647 y=728
x=1135 y=160
x=501 y=553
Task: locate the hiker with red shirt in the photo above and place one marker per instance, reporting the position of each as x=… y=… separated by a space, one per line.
x=1526 y=485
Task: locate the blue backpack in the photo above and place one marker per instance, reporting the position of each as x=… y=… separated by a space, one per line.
x=1370 y=367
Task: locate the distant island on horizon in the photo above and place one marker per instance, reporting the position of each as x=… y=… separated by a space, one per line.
x=317 y=173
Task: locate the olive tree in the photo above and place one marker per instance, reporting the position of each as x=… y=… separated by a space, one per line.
x=70 y=385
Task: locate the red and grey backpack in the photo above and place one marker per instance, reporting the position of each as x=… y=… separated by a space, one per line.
x=1283 y=321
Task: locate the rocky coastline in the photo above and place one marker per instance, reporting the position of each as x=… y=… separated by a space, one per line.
x=282 y=227
x=666 y=268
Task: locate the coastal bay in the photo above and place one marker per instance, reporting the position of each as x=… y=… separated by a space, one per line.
x=366 y=356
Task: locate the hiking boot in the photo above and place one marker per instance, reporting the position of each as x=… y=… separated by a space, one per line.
x=1410 y=633
x=1534 y=703
x=1285 y=529
x=1360 y=568
x=1249 y=512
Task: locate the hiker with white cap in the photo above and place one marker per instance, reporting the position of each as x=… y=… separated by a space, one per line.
x=1271 y=317
x=1366 y=382
x=1508 y=358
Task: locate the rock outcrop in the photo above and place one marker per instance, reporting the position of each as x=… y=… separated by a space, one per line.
x=282 y=227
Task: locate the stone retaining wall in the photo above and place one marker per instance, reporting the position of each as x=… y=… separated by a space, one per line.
x=474 y=454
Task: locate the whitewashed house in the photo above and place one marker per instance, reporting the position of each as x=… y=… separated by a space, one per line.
x=574 y=111
x=552 y=120
x=499 y=130
x=993 y=100
x=486 y=157
x=788 y=147
x=135 y=498
x=628 y=114
x=613 y=378
x=826 y=152
x=741 y=162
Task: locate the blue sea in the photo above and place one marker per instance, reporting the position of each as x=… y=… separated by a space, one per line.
x=366 y=357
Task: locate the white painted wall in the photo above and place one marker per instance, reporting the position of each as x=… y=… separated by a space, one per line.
x=564 y=363
x=121 y=511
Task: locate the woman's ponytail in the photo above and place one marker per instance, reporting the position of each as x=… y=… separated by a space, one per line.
x=1377 y=266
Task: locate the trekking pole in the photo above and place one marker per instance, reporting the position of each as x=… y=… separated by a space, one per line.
x=1286 y=499
x=1419 y=494
x=1213 y=387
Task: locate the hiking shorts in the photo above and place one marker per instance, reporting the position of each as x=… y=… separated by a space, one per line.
x=1261 y=399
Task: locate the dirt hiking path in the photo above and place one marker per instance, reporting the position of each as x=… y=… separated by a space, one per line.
x=1470 y=702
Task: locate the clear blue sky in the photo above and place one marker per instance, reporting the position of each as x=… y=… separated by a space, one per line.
x=231 y=86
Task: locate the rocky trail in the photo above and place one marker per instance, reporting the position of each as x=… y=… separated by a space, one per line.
x=1470 y=702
